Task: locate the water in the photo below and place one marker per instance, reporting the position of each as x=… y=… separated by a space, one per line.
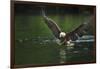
x=35 y=43
x=44 y=50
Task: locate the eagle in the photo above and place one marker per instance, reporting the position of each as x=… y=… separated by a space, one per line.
x=65 y=38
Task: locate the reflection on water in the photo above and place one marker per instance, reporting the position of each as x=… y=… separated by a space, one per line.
x=62 y=55
x=43 y=50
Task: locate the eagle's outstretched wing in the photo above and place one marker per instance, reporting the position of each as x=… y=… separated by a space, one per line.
x=81 y=29
x=51 y=24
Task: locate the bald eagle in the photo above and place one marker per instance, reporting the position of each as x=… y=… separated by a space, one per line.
x=65 y=38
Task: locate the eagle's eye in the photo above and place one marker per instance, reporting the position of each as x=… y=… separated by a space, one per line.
x=62 y=34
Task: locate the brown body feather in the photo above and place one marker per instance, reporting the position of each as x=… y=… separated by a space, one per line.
x=73 y=35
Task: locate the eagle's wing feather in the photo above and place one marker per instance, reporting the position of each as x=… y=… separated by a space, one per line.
x=81 y=29
x=52 y=26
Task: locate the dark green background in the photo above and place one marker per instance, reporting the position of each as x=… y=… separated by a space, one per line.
x=34 y=40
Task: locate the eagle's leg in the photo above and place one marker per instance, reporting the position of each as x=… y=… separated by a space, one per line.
x=64 y=42
x=69 y=43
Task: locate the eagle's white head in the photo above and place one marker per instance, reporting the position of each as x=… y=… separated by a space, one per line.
x=62 y=34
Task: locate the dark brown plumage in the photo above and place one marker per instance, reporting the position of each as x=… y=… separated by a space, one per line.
x=73 y=35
